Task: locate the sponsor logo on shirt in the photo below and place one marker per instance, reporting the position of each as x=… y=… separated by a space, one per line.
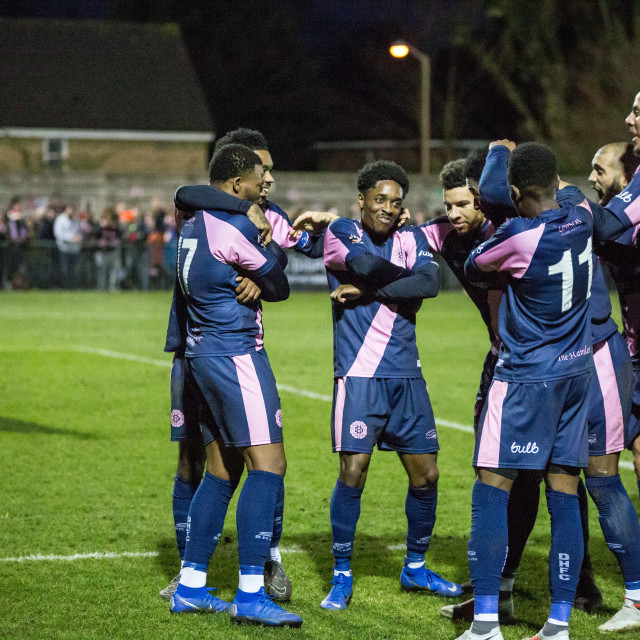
x=431 y=434
x=358 y=429
x=279 y=418
x=426 y=254
x=530 y=447
x=177 y=418
x=565 y=357
x=570 y=226
x=625 y=196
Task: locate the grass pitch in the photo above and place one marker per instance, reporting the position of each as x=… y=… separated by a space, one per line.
x=88 y=469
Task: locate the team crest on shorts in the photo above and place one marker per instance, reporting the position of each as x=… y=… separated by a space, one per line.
x=358 y=429
x=431 y=434
x=177 y=418
x=279 y=418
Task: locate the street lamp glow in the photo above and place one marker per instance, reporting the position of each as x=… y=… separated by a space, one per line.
x=399 y=50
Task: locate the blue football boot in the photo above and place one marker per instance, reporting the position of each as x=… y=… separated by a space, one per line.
x=340 y=595
x=187 y=600
x=259 y=608
x=422 y=579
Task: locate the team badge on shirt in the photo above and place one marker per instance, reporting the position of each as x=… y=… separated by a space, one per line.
x=355 y=238
x=358 y=429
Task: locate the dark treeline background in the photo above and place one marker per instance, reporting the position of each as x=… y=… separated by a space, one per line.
x=304 y=71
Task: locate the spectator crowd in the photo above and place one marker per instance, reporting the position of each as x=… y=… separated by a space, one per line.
x=46 y=243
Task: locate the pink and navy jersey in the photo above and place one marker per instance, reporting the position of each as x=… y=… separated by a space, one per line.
x=623 y=259
x=455 y=249
x=372 y=339
x=214 y=247
x=544 y=320
x=281 y=227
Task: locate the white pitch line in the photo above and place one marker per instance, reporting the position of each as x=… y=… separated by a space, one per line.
x=84 y=556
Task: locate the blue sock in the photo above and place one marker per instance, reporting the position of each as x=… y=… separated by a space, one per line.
x=522 y=512
x=183 y=493
x=420 y=508
x=206 y=518
x=345 y=511
x=277 y=518
x=488 y=540
x=567 y=548
x=254 y=516
x=619 y=523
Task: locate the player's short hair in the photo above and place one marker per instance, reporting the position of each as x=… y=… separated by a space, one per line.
x=232 y=160
x=630 y=162
x=373 y=172
x=532 y=164
x=474 y=163
x=248 y=137
x=452 y=175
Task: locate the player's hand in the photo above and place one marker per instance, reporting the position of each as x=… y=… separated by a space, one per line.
x=510 y=144
x=247 y=291
x=403 y=218
x=347 y=293
x=256 y=215
x=314 y=221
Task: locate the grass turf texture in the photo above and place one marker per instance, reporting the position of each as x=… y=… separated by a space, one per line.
x=88 y=467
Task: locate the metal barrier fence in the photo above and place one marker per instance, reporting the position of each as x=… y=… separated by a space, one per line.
x=39 y=264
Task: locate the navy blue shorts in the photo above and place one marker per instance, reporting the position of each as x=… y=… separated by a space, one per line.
x=393 y=413
x=528 y=425
x=240 y=393
x=189 y=417
x=610 y=397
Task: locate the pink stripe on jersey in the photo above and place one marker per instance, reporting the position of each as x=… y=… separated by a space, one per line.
x=335 y=252
x=338 y=412
x=514 y=254
x=228 y=245
x=633 y=211
x=260 y=334
x=436 y=234
x=631 y=315
x=585 y=205
x=407 y=244
x=611 y=397
x=375 y=343
x=280 y=229
x=489 y=450
x=253 y=400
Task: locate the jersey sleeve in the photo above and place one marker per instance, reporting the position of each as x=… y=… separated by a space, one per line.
x=237 y=242
x=626 y=205
x=281 y=227
x=436 y=232
x=494 y=183
x=509 y=250
x=177 y=326
x=190 y=198
x=342 y=242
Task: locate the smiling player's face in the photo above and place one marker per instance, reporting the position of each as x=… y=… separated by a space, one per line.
x=251 y=184
x=381 y=206
x=633 y=120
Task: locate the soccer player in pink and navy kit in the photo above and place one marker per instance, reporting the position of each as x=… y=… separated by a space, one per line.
x=226 y=361
x=536 y=412
x=378 y=277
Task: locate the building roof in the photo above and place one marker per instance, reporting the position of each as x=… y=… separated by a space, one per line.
x=95 y=75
